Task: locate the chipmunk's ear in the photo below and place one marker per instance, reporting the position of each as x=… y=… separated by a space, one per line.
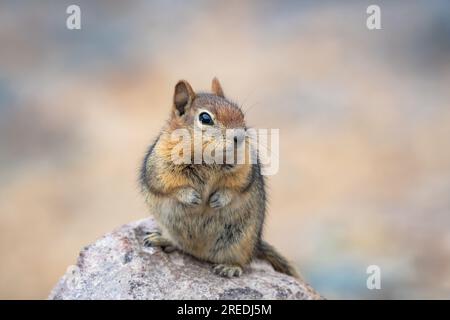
x=182 y=97
x=216 y=88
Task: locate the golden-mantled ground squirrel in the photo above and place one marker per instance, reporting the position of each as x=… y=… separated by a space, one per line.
x=214 y=212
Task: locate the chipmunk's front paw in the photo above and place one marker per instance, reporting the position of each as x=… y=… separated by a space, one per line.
x=155 y=239
x=189 y=196
x=220 y=199
x=228 y=270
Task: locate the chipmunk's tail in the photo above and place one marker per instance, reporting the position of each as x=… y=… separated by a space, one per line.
x=267 y=252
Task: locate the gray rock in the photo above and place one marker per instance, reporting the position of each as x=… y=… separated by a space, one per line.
x=119 y=266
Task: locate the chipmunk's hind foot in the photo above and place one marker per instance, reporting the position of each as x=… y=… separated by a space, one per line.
x=228 y=270
x=155 y=239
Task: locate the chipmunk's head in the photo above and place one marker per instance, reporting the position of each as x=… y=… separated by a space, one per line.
x=219 y=121
x=205 y=110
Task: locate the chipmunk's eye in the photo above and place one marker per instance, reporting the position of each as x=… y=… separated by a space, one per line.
x=205 y=118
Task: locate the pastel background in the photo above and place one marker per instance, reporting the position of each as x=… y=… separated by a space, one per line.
x=364 y=119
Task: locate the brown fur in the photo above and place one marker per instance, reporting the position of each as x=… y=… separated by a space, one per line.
x=214 y=212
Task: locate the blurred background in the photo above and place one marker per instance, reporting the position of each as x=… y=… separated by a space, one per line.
x=364 y=119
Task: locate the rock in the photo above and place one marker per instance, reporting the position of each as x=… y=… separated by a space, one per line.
x=118 y=266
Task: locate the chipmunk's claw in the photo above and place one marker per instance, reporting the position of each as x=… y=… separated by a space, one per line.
x=189 y=196
x=228 y=271
x=219 y=199
x=155 y=239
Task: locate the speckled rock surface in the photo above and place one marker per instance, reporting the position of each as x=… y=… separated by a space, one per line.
x=118 y=266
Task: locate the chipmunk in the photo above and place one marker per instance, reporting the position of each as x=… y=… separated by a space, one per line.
x=214 y=212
